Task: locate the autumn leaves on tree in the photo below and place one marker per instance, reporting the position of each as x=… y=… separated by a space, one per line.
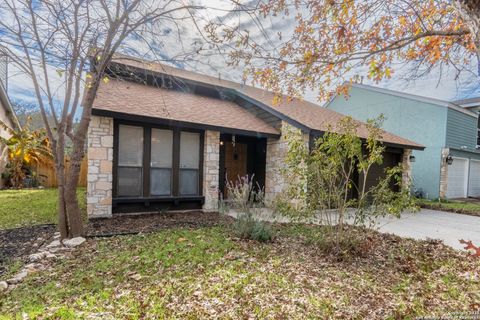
x=338 y=42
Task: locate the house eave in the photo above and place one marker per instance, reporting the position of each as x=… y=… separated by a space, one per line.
x=180 y=124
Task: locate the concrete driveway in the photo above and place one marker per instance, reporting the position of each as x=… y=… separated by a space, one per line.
x=446 y=226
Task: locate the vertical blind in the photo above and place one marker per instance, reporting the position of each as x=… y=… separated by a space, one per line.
x=130 y=161
x=189 y=163
x=161 y=162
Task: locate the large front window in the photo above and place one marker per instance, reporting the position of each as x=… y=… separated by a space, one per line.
x=157 y=162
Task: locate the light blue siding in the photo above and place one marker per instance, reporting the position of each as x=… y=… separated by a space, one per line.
x=420 y=122
x=461 y=130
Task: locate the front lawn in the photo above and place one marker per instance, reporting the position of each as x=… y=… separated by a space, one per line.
x=28 y=207
x=468 y=207
x=205 y=273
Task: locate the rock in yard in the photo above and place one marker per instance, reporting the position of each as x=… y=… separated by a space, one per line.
x=37 y=256
x=18 y=277
x=54 y=244
x=50 y=256
x=74 y=242
x=3 y=286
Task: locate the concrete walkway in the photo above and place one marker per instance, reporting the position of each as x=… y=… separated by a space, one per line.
x=446 y=226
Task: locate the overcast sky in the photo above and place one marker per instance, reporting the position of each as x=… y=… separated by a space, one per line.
x=175 y=39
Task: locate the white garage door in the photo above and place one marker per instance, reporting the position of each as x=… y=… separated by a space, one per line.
x=474 y=179
x=457 y=178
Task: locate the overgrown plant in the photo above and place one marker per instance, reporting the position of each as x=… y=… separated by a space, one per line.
x=25 y=147
x=321 y=182
x=247 y=198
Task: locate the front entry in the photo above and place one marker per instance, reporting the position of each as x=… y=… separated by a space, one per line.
x=235 y=162
x=241 y=156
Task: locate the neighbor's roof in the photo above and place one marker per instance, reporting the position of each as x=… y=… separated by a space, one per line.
x=300 y=113
x=149 y=101
x=446 y=104
x=469 y=103
x=5 y=102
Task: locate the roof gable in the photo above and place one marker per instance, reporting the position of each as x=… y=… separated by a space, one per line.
x=300 y=113
x=414 y=97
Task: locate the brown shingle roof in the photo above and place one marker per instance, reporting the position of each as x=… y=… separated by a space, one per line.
x=144 y=100
x=306 y=113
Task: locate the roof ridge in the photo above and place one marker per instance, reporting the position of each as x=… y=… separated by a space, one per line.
x=411 y=96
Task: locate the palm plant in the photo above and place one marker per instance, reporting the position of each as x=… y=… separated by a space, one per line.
x=25 y=147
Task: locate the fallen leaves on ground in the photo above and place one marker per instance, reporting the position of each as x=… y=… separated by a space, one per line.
x=208 y=274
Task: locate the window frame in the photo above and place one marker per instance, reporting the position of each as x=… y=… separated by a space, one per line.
x=141 y=167
x=147 y=148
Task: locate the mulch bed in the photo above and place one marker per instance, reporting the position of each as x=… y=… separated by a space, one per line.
x=18 y=243
x=132 y=224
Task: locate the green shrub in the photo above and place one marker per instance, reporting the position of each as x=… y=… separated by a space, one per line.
x=247 y=227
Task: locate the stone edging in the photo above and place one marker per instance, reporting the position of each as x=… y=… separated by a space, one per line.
x=38 y=261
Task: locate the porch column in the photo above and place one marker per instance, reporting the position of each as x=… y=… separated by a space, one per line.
x=406 y=168
x=211 y=170
x=275 y=162
x=100 y=164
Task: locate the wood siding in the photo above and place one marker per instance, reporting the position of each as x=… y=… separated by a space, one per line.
x=461 y=130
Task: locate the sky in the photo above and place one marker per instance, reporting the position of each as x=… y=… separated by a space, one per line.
x=172 y=40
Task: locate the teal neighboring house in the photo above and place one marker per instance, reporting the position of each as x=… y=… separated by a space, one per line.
x=449 y=167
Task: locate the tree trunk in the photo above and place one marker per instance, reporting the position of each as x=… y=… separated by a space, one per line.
x=60 y=171
x=469 y=10
x=73 y=209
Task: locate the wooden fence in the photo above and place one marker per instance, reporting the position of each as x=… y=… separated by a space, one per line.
x=47 y=177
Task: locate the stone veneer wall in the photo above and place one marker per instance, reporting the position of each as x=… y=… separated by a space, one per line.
x=406 y=168
x=444 y=173
x=211 y=170
x=100 y=164
x=275 y=162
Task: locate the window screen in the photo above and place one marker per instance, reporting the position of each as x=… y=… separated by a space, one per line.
x=189 y=163
x=161 y=162
x=130 y=161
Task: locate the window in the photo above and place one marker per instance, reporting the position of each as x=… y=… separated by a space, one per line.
x=189 y=163
x=157 y=162
x=130 y=161
x=161 y=162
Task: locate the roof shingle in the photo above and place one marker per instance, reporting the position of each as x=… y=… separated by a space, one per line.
x=144 y=100
x=306 y=113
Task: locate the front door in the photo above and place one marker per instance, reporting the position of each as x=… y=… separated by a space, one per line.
x=235 y=162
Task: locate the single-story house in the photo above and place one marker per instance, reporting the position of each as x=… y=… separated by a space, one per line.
x=449 y=167
x=7 y=116
x=165 y=138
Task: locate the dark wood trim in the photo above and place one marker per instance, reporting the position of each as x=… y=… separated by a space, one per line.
x=157 y=199
x=146 y=199
x=143 y=120
x=201 y=157
x=317 y=133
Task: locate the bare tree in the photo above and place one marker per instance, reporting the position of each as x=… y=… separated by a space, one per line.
x=76 y=40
